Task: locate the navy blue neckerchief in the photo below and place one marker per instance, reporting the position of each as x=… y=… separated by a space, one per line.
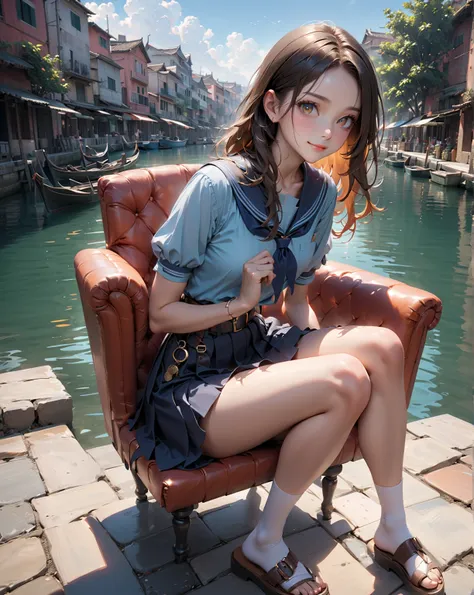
x=251 y=204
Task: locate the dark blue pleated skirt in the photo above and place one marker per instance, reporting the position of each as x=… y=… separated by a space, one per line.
x=168 y=413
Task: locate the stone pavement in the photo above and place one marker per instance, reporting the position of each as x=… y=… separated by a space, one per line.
x=69 y=522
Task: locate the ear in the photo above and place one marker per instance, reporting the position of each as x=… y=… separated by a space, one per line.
x=271 y=105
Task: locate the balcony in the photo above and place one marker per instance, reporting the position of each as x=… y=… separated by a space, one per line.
x=140 y=99
x=78 y=70
x=141 y=78
x=166 y=94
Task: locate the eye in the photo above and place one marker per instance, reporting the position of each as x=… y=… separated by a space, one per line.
x=347 y=122
x=308 y=107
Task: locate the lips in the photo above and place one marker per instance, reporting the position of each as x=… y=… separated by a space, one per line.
x=318 y=147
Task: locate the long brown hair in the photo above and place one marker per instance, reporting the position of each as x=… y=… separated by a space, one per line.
x=299 y=59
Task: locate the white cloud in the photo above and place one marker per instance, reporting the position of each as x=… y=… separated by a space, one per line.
x=163 y=21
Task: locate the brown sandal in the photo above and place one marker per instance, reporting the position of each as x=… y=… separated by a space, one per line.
x=396 y=563
x=270 y=582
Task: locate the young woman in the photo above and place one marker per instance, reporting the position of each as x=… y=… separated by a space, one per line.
x=245 y=228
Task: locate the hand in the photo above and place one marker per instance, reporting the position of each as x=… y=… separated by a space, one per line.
x=256 y=271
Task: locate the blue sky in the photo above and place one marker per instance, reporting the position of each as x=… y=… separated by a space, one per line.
x=230 y=38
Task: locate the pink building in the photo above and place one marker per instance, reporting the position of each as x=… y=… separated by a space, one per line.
x=133 y=58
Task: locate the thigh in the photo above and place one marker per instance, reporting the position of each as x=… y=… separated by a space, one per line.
x=256 y=405
x=371 y=345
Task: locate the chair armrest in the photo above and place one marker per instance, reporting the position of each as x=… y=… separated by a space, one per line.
x=115 y=303
x=343 y=294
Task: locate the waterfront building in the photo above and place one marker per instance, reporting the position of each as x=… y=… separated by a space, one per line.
x=373 y=40
x=200 y=101
x=68 y=35
x=134 y=59
x=217 y=94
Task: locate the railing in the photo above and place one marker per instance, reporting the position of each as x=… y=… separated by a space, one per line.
x=4 y=151
x=141 y=99
x=138 y=76
x=165 y=93
x=79 y=68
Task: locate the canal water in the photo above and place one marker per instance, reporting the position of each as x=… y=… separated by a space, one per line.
x=423 y=238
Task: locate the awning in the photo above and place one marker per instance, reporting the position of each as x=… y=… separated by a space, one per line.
x=412 y=122
x=395 y=125
x=425 y=122
x=83 y=116
x=140 y=118
x=14 y=61
x=60 y=107
x=127 y=117
x=177 y=123
x=24 y=95
x=99 y=111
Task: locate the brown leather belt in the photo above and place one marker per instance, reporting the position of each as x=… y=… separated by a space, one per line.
x=229 y=326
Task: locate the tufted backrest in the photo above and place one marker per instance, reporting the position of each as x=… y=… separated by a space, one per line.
x=134 y=205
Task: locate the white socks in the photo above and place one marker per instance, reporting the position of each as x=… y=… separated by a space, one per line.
x=393 y=529
x=265 y=546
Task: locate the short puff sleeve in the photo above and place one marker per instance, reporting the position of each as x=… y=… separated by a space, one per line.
x=180 y=243
x=323 y=234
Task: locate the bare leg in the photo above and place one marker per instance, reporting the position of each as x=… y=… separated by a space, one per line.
x=382 y=426
x=317 y=398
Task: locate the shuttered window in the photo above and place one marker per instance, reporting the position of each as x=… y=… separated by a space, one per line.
x=25 y=12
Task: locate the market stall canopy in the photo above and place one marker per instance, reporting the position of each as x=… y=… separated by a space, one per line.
x=395 y=124
x=177 y=123
x=141 y=118
x=425 y=122
x=27 y=96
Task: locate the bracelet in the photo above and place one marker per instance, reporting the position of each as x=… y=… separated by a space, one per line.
x=228 y=309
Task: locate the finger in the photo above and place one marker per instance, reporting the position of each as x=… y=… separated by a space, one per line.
x=264 y=267
x=260 y=255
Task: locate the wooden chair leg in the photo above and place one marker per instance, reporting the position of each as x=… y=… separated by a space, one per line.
x=329 y=487
x=181 y=523
x=141 y=489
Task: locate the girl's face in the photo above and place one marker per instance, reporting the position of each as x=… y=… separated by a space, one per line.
x=322 y=117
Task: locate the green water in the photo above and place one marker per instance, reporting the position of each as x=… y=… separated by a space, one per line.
x=423 y=238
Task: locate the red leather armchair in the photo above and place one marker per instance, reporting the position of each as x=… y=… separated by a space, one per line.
x=114 y=283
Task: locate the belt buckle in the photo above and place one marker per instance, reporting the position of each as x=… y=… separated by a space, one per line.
x=234 y=325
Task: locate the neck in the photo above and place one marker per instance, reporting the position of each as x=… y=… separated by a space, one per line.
x=289 y=166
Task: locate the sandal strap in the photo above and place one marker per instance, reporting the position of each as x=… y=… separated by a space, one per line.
x=407 y=549
x=283 y=570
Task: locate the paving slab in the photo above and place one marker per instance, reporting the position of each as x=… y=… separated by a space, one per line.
x=446 y=429
x=18 y=415
x=230 y=585
x=239 y=518
x=459 y=580
x=384 y=581
x=40 y=372
x=467 y=459
x=337 y=526
x=106 y=456
x=171 y=580
x=122 y=481
x=414 y=491
x=211 y=564
x=61 y=460
x=358 y=509
x=54 y=410
x=126 y=521
x=69 y=505
x=146 y=555
x=357 y=473
x=367 y=532
x=21 y=560
x=31 y=390
x=428 y=454
x=445 y=529
x=88 y=561
x=469 y=561
x=45 y=585
x=224 y=501
x=342 y=488
x=16 y=519
x=339 y=569
x=456 y=481
x=303 y=514
x=19 y=480
x=11 y=447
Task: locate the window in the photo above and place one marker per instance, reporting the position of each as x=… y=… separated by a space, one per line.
x=176 y=87
x=1 y=10
x=102 y=42
x=25 y=12
x=163 y=106
x=458 y=40
x=75 y=21
x=80 y=92
x=446 y=67
x=71 y=58
x=111 y=84
x=143 y=90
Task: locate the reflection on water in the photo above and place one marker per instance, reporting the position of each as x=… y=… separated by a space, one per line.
x=423 y=238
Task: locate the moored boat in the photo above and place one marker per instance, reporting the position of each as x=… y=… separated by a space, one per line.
x=446 y=178
x=89 y=154
x=417 y=171
x=82 y=175
x=392 y=161
x=57 y=198
x=167 y=143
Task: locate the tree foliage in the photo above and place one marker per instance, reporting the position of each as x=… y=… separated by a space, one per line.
x=411 y=64
x=45 y=76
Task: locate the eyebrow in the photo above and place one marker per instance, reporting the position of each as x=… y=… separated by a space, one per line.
x=326 y=100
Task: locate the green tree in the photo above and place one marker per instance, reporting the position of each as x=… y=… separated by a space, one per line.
x=410 y=67
x=45 y=76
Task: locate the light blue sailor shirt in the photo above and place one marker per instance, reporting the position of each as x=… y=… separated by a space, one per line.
x=205 y=242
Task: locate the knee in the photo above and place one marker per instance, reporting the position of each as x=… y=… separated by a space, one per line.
x=388 y=349
x=352 y=384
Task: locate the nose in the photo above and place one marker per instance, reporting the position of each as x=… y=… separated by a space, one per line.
x=327 y=134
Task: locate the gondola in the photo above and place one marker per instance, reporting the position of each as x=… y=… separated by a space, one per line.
x=417 y=171
x=88 y=154
x=393 y=161
x=83 y=175
x=57 y=198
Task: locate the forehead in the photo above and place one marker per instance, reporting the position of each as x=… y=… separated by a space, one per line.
x=337 y=85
